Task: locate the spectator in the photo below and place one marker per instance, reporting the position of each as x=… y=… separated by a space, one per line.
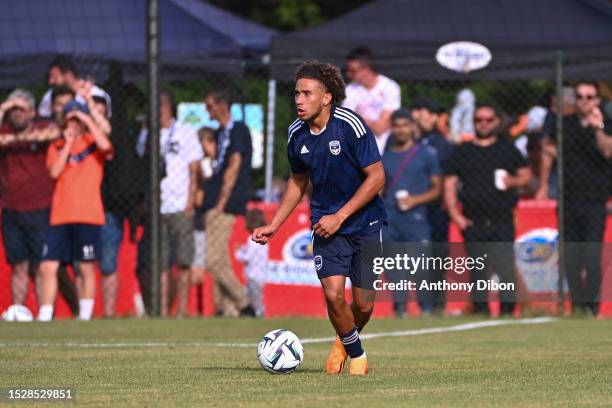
x=111 y=233
x=413 y=180
x=60 y=96
x=462 y=116
x=97 y=106
x=547 y=171
x=372 y=95
x=426 y=114
x=122 y=179
x=77 y=213
x=25 y=187
x=206 y=136
x=62 y=71
x=97 y=103
x=487 y=203
x=255 y=260
x=181 y=153
x=227 y=194
x=587 y=149
x=529 y=144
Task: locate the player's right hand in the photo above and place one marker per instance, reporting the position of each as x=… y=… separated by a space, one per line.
x=263 y=234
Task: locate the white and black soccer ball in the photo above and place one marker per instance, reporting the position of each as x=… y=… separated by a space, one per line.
x=17 y=313
x=280 y=352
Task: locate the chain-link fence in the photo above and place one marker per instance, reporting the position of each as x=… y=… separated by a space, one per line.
x=76 y=164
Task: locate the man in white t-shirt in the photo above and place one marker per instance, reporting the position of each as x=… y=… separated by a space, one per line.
x=180 y=152
x=372 y=95
x=62 y=71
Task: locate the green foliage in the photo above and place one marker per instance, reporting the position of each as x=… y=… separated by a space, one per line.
x=289 y=15
x=296 y=14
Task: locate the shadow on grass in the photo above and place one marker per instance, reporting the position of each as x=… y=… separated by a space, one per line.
x=253 y=369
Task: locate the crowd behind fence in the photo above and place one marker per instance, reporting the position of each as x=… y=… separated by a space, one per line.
x=74 y=186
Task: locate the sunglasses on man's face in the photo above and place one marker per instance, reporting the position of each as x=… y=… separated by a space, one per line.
x=587 y=97
x=481 y=119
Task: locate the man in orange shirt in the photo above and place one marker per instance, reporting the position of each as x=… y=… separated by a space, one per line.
x=77 y=163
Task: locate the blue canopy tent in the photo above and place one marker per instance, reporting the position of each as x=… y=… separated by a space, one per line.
x=522 y=35
x=193 y=35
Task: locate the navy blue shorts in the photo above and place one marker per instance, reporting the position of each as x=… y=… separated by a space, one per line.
x=23 y=234
x=72 y=242
x=347 y=255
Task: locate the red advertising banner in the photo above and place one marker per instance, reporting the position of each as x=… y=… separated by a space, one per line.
x=292 y=287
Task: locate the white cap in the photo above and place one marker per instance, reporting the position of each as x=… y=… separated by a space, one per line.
x=101 y=93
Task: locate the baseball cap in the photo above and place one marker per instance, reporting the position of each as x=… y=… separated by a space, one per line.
x=75 y=105
x=99 y=95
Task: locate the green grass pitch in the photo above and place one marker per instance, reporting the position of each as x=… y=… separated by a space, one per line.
x=177 y=363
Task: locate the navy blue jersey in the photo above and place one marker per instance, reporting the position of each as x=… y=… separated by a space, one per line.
x=335 y=159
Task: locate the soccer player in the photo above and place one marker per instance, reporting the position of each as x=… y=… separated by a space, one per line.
x=334 y=149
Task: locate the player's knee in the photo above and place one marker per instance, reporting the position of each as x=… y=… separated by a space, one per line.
x=334 y=297
x=365 y=308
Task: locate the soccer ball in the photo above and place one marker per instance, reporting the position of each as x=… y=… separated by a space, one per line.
x=17 y=313
x=280 y=352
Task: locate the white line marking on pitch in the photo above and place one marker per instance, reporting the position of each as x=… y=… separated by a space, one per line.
x=418 y=332
x=402 y=333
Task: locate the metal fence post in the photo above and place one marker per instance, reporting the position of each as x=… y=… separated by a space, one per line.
x=560 y=201
x=270 y=138
x=153 y=118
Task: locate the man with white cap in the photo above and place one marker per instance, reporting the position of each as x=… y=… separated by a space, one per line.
x=62 y=71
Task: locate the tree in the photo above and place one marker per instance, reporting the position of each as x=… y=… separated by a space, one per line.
x=289 y=15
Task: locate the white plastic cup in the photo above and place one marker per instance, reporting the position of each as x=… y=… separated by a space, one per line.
x=207 y=168
x=400 y=195
x=500 y=174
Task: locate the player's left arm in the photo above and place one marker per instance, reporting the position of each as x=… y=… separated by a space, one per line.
x=371 y=186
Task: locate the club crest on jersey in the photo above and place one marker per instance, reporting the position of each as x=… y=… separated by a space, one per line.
x=334 y=147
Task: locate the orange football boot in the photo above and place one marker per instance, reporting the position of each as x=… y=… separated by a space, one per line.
x=359 y=366
x=336 y=358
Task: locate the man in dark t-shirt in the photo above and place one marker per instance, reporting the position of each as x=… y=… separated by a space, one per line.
x=490 y=170
x=587 y=171
x=225 y=196
x=426 y=113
